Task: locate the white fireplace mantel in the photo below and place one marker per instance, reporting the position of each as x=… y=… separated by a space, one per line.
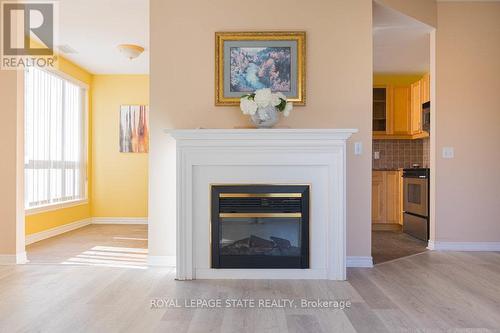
x=261 y=156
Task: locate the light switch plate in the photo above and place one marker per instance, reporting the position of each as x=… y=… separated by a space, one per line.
x=448 y=152
x=376 y=155
x=358 y=148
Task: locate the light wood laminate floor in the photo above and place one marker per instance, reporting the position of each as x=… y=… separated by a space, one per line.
x=428 y=292
x=96 y=244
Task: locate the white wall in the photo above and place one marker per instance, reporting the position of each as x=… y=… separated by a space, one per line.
x=468 y=119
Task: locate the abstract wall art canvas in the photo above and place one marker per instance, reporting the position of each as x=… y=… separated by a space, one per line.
x=134 y=129
x=247 y=61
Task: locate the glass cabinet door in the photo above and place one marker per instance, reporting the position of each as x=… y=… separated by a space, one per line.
x=379 y=109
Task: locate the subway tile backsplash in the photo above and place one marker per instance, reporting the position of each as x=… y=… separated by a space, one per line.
x=395 y=154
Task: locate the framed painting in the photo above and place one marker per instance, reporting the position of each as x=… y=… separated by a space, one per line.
x=134 y=129
x=247 y=61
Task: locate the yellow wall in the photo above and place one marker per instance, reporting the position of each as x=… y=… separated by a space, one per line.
x=396 y=79
x=55 y=218
x=120 y=181
x=51 y=219
x=117 y=183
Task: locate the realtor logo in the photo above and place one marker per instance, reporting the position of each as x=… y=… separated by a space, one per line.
x=27 y=36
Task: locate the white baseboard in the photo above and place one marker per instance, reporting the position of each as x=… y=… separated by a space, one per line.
x=30 y=239
x=355 y=261
x=166 y=261
x=262 y=274
x=463 y=246
x=56 y=231
x=21 y=258
x=170 y=261
x=13 y=259
x=119 y=220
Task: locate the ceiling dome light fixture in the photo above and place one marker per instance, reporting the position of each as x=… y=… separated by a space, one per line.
x=130 y=51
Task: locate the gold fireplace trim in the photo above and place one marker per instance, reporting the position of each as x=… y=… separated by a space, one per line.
x=234 y=215
x=260 y=195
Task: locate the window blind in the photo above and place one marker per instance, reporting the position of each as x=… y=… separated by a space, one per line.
x=55 y=165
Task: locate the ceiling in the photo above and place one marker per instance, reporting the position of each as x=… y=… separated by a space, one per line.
x=94 y=28
x=90 y=31
x=401 y=44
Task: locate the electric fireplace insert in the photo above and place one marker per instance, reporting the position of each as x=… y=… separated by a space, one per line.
x=260 y=226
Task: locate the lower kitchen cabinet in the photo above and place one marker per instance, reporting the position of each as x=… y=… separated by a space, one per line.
x=387 y=197
x=378 y=195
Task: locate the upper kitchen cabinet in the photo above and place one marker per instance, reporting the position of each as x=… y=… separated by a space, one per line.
x=397 y=110
x=382 y=96
x=425 y=89
x=416 y=109
x=402 y=111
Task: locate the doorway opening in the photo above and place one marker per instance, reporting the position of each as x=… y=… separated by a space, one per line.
x=401 y=135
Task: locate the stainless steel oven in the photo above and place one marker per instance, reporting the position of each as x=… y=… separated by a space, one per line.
x=416 y=202
x=416 y=192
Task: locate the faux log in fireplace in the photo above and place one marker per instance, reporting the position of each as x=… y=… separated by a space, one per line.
x=260 y=226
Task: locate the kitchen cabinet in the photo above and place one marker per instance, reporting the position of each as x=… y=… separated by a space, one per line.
x=382 y=96
x=394 y=196
x=387 y=197
x=425 y=88
x=378 y=195
x=402 y=110
x=416 y=109
x=398 y=115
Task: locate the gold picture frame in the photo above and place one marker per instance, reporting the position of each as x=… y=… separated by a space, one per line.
x=224 y=96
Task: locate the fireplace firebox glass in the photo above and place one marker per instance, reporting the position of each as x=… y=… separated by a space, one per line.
x=268 y=236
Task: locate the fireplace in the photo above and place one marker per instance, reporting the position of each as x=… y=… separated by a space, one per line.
x=260 y=226
x=220 y=158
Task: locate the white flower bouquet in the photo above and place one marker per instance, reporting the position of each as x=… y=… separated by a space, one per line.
x=265 y=98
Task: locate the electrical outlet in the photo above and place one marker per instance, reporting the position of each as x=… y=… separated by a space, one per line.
x=448 y=152
x=376 y=155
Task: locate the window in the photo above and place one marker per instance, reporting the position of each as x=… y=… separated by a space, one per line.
x=55 y=132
